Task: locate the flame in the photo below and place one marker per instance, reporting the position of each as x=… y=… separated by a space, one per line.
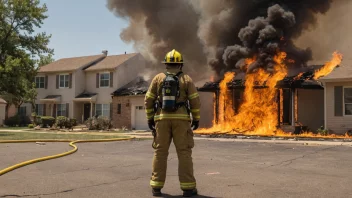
x=299 y=76
x=212 y=78
x=291 y=61
x=258 y=114
x=329 y=66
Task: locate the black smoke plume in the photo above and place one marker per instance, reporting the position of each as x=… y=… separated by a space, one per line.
x=219 y=33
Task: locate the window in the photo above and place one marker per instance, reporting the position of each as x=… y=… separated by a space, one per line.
x=105 y=80
x=118 y=108
x=39 y=82
x=102 y=110
x=22 y=111
x=64 y=81
x=61 y=110
x=140 y=107
x=348 y=100
x=39 y=109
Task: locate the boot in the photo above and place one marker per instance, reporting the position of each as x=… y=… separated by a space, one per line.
x=156 y=192
x=190 y=193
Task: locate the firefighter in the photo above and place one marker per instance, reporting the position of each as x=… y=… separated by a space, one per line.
x=173 y=112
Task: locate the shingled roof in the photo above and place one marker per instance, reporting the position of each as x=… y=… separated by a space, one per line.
x=339 y=73
x=136 y=87
x=71 y=64
x=111 y=62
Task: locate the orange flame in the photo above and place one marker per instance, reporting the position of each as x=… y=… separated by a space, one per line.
x=329 y=66
x=298 y=76
x=258 y=114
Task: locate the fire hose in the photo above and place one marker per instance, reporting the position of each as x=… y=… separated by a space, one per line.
x=71 y=143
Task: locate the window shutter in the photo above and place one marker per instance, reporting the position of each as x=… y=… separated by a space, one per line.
x=111 y=79
x=111 y=110
x=46 y=82
x=44 y=109
x=54 y=110
x=67 y=110
x=338 y=101
x=70 y=81
x=97 y=80
x=57 y=81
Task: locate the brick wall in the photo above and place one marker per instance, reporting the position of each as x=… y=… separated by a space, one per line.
x=123 y=119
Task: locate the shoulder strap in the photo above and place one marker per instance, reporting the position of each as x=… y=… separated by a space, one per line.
x=179 y=73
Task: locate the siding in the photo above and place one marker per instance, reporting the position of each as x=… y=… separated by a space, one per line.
x=339 y=125
x=310 y=108
x=67 y=94
x=123 y=74
x=2 y=113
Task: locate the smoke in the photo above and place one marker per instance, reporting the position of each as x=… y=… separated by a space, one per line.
x=219 y=33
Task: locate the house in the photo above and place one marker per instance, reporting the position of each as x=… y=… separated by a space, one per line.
x=338 y=100
x=81 y=87
x=2 y=111
x=128 y=105
x=300 y=99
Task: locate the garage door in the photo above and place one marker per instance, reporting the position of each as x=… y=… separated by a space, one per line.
x=141 y=118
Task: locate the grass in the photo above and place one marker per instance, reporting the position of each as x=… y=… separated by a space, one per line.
x=34 y=136
x=13 y=128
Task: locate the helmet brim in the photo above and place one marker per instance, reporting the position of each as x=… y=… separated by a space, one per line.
x=164 y=62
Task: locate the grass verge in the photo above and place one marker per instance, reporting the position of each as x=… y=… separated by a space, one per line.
x=33 y=136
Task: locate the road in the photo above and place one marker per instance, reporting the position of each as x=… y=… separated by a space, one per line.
x=222 y=169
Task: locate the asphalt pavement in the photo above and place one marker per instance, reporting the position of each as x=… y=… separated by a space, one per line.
x=222 y=169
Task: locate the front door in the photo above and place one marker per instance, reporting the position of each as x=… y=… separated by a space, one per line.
x=86 y=111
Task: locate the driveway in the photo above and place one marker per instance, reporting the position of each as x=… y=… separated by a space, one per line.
x=222 y=169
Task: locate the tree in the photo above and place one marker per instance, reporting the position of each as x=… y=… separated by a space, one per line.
x=19 y=47
x=44 y=60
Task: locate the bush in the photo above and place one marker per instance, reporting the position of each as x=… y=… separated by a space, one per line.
x=13 y=121
x=100 y=123
x=25 y=121
x=64 y=122
x=48 y=121
x=31 y=126
x=61 y=121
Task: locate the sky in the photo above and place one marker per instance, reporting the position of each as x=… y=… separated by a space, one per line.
x=83 y=28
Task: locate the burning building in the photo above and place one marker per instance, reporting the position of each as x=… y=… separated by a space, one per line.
x=263 y=82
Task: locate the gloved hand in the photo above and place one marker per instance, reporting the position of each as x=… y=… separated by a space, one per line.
x=195 y=124
x=151 y=124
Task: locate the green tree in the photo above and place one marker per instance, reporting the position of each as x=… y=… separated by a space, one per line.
x=19 y=47
x=44 y=60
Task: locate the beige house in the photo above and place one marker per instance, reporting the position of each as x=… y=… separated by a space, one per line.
x=338 y=100
x=81 y=87
x=2 y=111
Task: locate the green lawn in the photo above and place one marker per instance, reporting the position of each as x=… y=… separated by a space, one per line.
x=29 y=136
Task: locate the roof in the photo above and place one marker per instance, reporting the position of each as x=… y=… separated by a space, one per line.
x=111 y=62
x=297 y=78
x=52 y=96
x=2 y=101
x=339 y=73
x=86 y=95
x=136 y=87
x=70 y=64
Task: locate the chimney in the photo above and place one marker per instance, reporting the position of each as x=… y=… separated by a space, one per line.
x=105 y=52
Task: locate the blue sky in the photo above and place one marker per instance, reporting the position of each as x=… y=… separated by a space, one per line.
x=83 y=27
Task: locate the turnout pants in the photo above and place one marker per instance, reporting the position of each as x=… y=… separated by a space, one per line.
x=181 y=133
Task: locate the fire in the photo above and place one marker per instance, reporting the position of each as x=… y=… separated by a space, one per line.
x=329 y=66
x=258 y=114
x=298 y=77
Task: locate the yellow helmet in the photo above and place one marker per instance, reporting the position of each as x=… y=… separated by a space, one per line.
x=173 y=57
